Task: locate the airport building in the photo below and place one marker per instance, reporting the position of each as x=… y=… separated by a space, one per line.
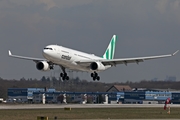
x=114 y=95
x=146 y=97
x=74 y=97
x=24 y=95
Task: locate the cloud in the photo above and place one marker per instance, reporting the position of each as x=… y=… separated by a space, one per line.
x=72 y=3
x=170 y=10
x=49 y=3
x=175 y=5
x=161 y=5
x=144 y=27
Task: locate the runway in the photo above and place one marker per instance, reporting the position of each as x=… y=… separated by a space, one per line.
x=49 y=106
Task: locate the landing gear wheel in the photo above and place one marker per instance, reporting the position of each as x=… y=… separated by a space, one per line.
x=61 y=74
x=51 y=67
x=63 y=78
x=67 y=77
x=92 y=74
x=65 y=74
x=98 y=78
x=95 y=76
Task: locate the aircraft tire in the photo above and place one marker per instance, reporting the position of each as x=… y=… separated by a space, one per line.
x=92 y=74
x=61 y=74
x=67 y=77
x=65 y=74
x=63 y=78
x=98 y=78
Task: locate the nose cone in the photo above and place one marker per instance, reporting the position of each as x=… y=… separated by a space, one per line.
x=46 y=53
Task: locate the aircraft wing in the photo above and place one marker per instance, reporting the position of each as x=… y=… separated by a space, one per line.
x=125 y=61
x=27 y=58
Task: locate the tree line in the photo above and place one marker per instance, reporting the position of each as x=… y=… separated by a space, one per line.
x=78 y=85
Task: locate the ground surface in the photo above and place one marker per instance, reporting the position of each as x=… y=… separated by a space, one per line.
x=47 y=106
x=91 y=113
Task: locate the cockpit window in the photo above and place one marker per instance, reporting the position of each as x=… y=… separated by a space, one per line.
x=48 y=49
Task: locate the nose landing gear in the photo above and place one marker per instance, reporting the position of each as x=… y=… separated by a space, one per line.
x=64 y=75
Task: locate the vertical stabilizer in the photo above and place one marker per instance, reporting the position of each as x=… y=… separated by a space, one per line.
x=109 y=53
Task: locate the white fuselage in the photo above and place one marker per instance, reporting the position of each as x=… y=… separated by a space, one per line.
x=66 y=57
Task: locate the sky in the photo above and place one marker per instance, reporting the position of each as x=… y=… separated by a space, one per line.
x=143 y=27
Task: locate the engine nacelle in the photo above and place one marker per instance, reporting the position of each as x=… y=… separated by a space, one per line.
x=97 y=66
x=43 y=65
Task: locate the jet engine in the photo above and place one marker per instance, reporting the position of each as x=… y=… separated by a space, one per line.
x=43 y=65
x=97 y=66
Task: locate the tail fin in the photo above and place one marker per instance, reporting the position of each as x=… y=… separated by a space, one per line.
x=109 y=54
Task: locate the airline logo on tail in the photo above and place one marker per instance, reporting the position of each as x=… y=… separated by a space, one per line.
x=109 y=54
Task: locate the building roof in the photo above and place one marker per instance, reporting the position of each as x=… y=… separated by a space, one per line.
x=118 y=88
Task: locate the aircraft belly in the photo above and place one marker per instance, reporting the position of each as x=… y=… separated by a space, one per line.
x=72 y=66
x=77 y=67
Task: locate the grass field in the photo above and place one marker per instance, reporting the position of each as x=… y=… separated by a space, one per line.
x=91 y=113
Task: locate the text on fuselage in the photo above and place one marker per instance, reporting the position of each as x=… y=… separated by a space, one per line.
x=66 y=57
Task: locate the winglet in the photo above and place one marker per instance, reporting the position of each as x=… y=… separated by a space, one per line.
x=175 y=53
x=10 y=53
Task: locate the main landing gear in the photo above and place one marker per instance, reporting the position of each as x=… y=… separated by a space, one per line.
x=64 y=74
x=95 y=76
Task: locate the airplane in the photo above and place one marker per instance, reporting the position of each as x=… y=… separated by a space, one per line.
x=71 y=59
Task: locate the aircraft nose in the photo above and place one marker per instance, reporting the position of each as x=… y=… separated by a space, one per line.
x=45 y=52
